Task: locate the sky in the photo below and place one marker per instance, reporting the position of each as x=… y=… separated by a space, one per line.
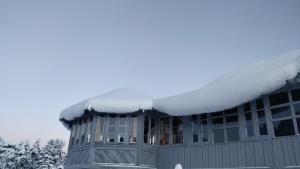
x=56 y=53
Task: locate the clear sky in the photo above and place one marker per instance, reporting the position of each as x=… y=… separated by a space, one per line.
x=56 y=53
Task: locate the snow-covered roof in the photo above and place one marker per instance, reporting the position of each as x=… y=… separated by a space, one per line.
x=228 y=91
x=123 y=100
x=234 y=88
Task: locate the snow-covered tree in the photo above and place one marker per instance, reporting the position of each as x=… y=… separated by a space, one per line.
x=52 y=155
x=7 y=155
x=25 y=156
x=35 y=154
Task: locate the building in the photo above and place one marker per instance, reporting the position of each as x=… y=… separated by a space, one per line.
x=247 y=119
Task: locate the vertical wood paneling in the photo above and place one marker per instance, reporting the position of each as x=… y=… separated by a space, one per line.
x=250 y=159
x=296 y=149
x=278 y=153
x=241 y=155
x=211 y=156
x=268 y=153
x=259 y=154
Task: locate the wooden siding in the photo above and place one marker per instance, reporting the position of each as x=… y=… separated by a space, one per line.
x=77 y=157
x=124 y=156
x=268 y=153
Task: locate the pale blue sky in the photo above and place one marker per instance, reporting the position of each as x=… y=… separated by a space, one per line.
x=56 y=53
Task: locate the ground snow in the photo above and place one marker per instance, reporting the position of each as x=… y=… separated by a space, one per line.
x=225 y=92
x=178 y=166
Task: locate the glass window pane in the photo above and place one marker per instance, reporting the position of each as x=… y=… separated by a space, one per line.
x=298 y=123
x=263 y=130
x=77 y=132
x=233 y=134
x=146 y=129
x=177 y=130
x=203 y=116
x=112 y=119
x=283 y=128
x=281 y=112
x=99 y=128
x=248 y=117
x=219 y=136
x=296 y=95
x=220 y=113
x=194 y=123
x=247 y=107
x=250 y=131
x=279 y=98
x=195 y=137
x=259 y=104
x=203 y=124
x=133 y=129
x=218 y=122
x=152 y=131
x=164 y=131
x=261 y=116
x=231 y=111
x=232 y=120
x=297 y=108
x=204 y=136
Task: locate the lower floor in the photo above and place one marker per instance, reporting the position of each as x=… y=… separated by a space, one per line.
x=274 y=153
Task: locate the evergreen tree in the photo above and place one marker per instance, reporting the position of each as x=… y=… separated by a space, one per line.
x=52 y=155
x=25 y=156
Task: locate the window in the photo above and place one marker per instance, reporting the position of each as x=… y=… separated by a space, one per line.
x=200 y=128
x=278 y=98
x=177 y=130
x=298 y=123
x=233 y=134
x=149 y=130
x=283 y=127
x=99 y=137
x=248 y=120
x=296 y=94
x=232 y=125
x=219 y=136
x=282 y=121
x=146 y=129
x=83 y=128
x=261 y=118
x=164 y=131
x=281 y=112
x=152 y=131
x=73 y=133
x=122 y=129
x=297 y=108
x=111 y=128
x=78 y=132
x=218 y=125
x=89 y=129
x=133 y=129
x=195 y=128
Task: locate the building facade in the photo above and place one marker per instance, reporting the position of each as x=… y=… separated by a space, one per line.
x=262 y=133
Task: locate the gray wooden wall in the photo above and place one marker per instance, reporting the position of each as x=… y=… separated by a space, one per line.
x=268 y=153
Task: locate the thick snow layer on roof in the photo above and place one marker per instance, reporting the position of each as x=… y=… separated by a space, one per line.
x=123 y=100
x=235 y=88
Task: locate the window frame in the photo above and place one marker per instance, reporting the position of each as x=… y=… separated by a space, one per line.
x=172 y=129
x=292 y=116
x=198 y=128
x=225 y=126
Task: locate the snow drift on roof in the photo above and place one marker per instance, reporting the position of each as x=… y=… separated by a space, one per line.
x=235 y=88
x=123 y=100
